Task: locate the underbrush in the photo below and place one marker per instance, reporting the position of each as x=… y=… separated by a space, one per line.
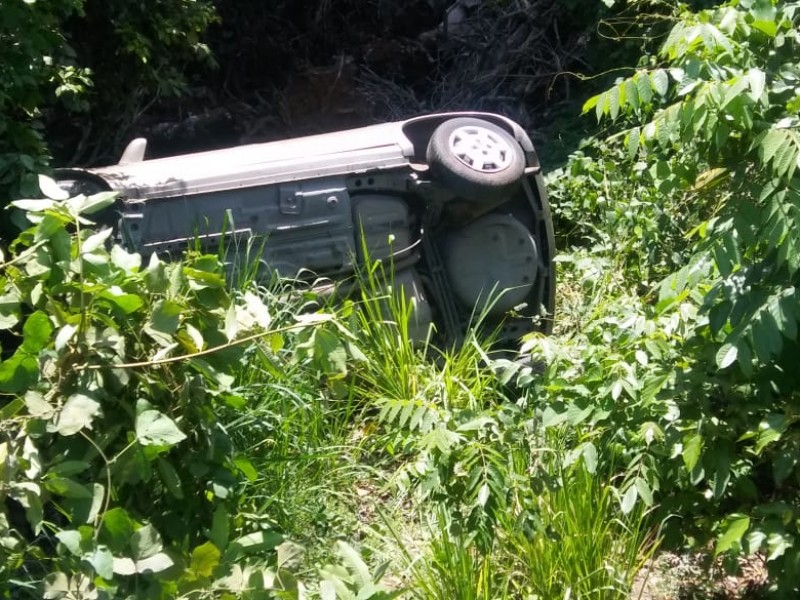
x=683 y=230
x=166 y=436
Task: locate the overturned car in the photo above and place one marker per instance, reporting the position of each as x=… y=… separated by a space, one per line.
x=454 y=201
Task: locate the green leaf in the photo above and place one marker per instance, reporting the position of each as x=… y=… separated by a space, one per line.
x=784 y=464
x=600 y=107
x=256 y=543
x=354 y=563
x=18 y=372
x=96 y=202
x=103 y=562
x=64 y=336
x=146 y=542
x=720 y=460
x=613 y=102
x=660 y=81
x=718 y=315
x=644 y=491
x=164 y=321
x=154 y=564
x=769 y=28
x=628 y=500
x=757 y=80
x=191 y=337
x=762 y=10
x=737 y=527
x=78 y=412
x=154 y=428
x=47 y=229
x=124 y=566
x=51 y=189
x=56 y=585
x=692 y=449
x=289 y=554
x=483 y=495
x=589 y=453
x=117 y=529
x=643 y=86
x=770 y=431
x=95 y=241
x=246 y=467
x=204 y=560
x=68 y=468
x=127 y=261
x=33 y=205
x=330 y=354
x=29 y=495
x=37 y=406
x=220 y=528
x=68 y=488
x=231 y=323
x=94 y=507
x=632 y=93
x=590 y=104
x=726 y=355
x=36 y=332
x=170 y=478
x=126 y=303
x=71 y=540
x=11 y=408
x=259 y=311
x=778 y=544
x=632 y=142
x=156 y=275
x=769 y=144
x=9 y=309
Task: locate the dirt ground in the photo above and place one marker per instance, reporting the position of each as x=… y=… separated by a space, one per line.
x=673 y=576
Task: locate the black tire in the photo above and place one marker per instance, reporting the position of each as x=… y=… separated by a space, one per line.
x=504 y=159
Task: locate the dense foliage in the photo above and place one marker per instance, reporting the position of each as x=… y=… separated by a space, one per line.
x=86 y=68
x=118 y=474
x=167 y=434
x=691 y=381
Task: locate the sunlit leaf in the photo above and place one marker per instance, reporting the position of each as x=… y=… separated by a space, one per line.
x=145 y=542
x=736 y=528
x=629 y=500
x=78 y=413
x=51 y=189
x=154 y=428
x=692 y=449
x=660 y=81
x=204 y=560
x=727 y=355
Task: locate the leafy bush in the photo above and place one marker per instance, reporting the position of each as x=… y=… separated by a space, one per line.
x=117 y=474
x=35 y=65
x=691 y=383
x=64 y=58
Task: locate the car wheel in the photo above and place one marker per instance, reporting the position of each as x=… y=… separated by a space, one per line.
x=475 y=158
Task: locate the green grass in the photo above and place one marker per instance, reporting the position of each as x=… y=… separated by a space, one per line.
x=320 y=457
x=582 y=547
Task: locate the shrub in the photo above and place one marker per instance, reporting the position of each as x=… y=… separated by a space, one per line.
x=117 y=474
x=692 y=382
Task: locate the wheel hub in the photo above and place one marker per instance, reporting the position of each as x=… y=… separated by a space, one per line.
x=480 y=149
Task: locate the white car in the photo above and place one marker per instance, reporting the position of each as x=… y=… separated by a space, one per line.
x=455 y=200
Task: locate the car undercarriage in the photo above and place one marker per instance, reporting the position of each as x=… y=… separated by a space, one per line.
x=454 y=202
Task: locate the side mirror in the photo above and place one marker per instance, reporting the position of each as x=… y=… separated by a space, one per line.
x=134 y=152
